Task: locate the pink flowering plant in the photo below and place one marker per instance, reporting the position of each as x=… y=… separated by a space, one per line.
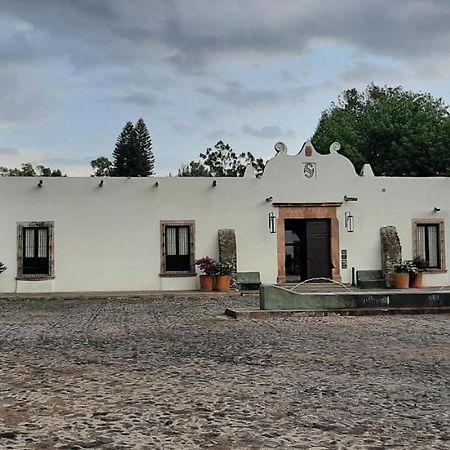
x=206 y=265
x=421 y=264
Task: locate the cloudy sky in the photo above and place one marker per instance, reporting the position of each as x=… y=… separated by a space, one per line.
x=249 y=72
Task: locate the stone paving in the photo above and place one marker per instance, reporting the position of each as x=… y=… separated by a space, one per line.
x=173 y=373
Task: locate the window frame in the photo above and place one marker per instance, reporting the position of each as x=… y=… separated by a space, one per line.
x=416 y=223
x=164 y=224
x=21 y=226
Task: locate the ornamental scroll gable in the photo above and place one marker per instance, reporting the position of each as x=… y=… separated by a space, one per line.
x=308 y=164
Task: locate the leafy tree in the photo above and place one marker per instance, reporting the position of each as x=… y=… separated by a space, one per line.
x=132 y=154
x=28 y=170
x=42 y=171
x=221 y=161
x=102 y=166
x=193 y=169
x=398 y=132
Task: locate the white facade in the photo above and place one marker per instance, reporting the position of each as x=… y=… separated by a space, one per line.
x=108 y=238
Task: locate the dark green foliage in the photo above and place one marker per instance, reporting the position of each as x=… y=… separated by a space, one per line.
x=400 y=133
x=133 y=155
x=28 y=170
x=102 y=167
x=144 y=144
x=193 y=169
x=42 y=171
x=221 y=161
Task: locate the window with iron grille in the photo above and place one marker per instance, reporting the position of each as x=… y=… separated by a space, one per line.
x=429 y=242
x=177 y=248
x=35 y=250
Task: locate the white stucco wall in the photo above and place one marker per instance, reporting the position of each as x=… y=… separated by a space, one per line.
x=108 y=238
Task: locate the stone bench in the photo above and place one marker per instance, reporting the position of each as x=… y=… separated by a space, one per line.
x=248 y=281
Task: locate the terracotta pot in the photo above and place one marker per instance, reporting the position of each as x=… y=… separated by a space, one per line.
x=416 y=280
x=206 y=282
x=223 y=283
x=401 y=280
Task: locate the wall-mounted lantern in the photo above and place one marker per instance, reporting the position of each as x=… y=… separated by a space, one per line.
x=436 y=209
x=269 y=199
x=100 y=184
x=349 y=222
x=272 y=223
x=41 y=183
x=156 y=184
x=214 y=183
x=347 y=198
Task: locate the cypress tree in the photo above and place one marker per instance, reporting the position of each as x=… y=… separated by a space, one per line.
x=133 y=156
x=144 y=144
x=123 y=152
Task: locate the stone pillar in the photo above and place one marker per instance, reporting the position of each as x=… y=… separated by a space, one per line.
x=391 y=252
x=227 y=247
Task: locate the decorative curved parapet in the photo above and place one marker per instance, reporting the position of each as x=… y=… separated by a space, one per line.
x=367 y=171
x=308 y=164
x=249 y=172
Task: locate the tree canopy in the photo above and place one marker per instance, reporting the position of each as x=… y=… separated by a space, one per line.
x=27 y=170
x=221 y=161
x=398 y=132
x=133 y=156
x=102 y=167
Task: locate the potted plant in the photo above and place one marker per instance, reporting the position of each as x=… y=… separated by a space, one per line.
x=224 y=271
x=416 y=279
x=207 y=266
x=2 y=267
x=401 y=274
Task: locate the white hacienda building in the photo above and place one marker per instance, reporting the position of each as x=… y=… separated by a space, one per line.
x=117 y=234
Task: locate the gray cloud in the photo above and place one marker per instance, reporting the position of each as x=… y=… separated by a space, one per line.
x=194 y=34
x=137 y=98
x=267 y=132
x=8 y=151
x=139 y=53
x=26 y=96
x=181 y=129
x=217 y=134
x=234 y=93
x=361 y=70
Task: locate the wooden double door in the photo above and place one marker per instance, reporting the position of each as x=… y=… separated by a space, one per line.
x=307 y=249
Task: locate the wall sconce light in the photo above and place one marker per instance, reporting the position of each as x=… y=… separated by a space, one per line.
x=350 y=199
x=156 y=184
x=100 y=184
x=272 y=224
x=41 y=183
x=436 y=209
x=269 y=199
x=214 y=183
x=349 y=222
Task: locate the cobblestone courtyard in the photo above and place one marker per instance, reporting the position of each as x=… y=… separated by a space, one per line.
x=172 y=373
